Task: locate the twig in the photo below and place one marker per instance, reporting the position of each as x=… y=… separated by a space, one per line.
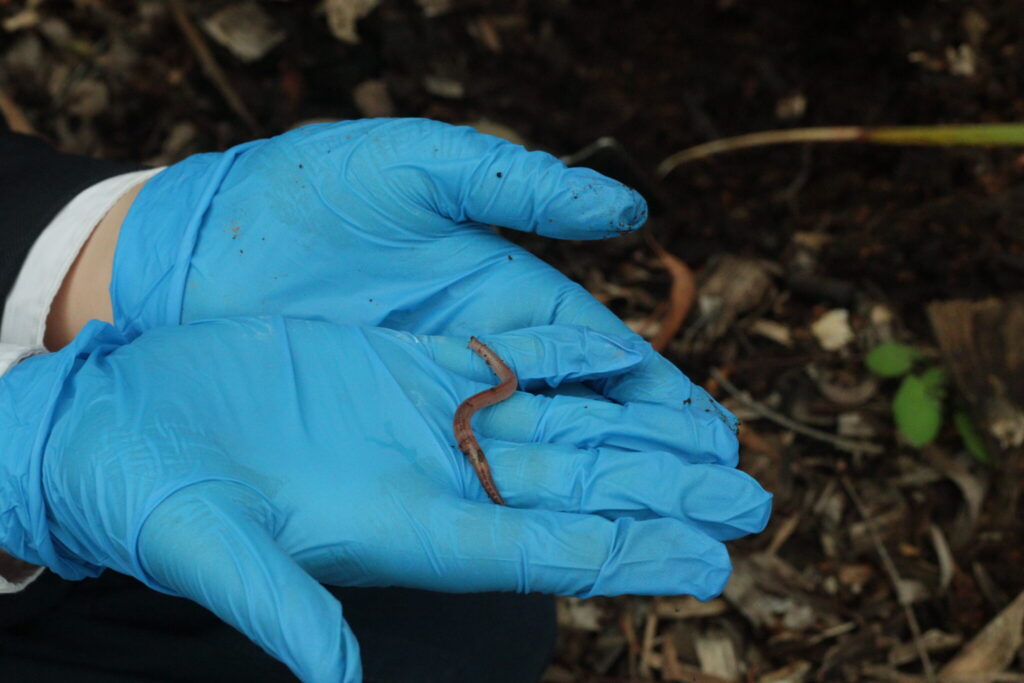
x=16 y=119
x=894 y=577
x=632 y=642
x=211 y=68
x=671 y=669
x=785 y=530
x=647 y=645
x=848 y=445
x=681 y=296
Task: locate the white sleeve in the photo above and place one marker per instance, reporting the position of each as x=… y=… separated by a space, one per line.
x=53 y=253
x=8 y=587
x=12 y=353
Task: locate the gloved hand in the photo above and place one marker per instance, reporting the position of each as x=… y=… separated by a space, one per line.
x=379 y=222
x=239 y=462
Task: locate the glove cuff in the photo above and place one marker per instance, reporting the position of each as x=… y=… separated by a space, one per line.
x=29 y=393
x=157 y=238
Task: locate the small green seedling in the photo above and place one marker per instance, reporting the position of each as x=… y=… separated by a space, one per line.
x=918 y=405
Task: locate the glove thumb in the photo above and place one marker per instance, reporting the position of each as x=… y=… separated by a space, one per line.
x=213 y=543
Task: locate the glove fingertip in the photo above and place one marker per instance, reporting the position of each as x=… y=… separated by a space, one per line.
x=713 y=583
x=593 y=206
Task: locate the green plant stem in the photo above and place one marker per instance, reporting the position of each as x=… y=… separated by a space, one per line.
x=967 y=134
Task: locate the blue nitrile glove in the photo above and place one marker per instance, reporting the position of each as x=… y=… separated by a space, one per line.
x=379 y=222
x=238 y=463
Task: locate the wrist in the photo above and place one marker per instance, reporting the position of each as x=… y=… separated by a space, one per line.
x=84 y=294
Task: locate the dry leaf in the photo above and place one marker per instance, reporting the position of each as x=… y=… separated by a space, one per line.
x=933 y=640
x=245 y=29
x=732 y=287
x=994 y=647
x=342 y=16
x=947 y=566
x=971 y=487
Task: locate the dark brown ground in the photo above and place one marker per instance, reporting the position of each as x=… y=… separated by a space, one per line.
x=865 y=227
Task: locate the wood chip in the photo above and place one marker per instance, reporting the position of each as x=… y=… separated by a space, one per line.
x=372 y=99
x=855 y=576
x=582 y=615
x=88 y=98
x=25 y=19
x=434 y=8
x=443 y=86
x=775 y=331
x=794 y=672
x=671 y=667
x=833 y=330
x=483 y=29
x=689 y=607
x=342 y=16
x=716 y=653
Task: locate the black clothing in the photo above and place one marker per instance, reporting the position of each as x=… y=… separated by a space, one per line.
x=36 y=182
x=116 y=630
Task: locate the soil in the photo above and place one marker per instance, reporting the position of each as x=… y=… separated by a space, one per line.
x=866 y=226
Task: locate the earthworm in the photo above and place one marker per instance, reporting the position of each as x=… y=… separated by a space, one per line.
x=488 y=397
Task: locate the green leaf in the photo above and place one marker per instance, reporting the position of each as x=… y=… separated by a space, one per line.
x=917 y=406
x=892 y=360
x=972 y=439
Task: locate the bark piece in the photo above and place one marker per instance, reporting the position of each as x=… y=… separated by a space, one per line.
x=731 y=287
x=980 y=342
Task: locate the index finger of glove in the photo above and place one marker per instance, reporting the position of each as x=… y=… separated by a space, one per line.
x=483 y=179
